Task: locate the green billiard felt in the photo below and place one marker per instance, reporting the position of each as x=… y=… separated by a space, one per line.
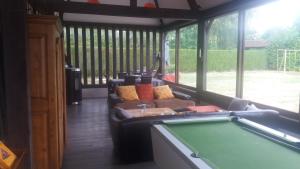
x=226 y=145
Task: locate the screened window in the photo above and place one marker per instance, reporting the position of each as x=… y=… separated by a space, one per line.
x=222 y=55
x=170 y=56
x=187 y=65
x=272 y=55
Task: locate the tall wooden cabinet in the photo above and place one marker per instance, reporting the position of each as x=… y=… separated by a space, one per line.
x=47 y=78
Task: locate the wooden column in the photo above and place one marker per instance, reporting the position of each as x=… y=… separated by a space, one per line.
x=76 y=47
x=134 y=51
x=100 y=56
x=141 y=51
x=121 y=50
x=92 y=51
x=127 y=51
x=107 y=55
x=85 y=81
x=114 y=53
x=147 y=51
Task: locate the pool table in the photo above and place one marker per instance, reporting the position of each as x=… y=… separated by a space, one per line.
x=222 y=143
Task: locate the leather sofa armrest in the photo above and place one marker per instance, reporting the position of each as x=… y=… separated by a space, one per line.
x=114 y=99
x=180 y=95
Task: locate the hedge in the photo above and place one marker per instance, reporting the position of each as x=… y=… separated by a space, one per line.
x=218 y=60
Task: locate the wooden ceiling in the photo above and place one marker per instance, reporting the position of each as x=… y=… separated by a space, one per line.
x=133 y=12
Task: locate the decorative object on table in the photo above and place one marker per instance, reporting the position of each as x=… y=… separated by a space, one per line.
x=127 y=93
x=7 y=157
x=163 y=92
x=143 y=107
x=93 y=1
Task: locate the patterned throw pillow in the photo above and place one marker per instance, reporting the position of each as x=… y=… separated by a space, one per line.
x=163 y=92
x=127 y=93
x=145 y=92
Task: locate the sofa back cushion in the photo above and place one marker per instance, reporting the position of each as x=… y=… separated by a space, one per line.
x=163 y=92
x=127 y=93
x=145 y=92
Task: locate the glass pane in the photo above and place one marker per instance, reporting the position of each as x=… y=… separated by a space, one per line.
x=272 y=55
x=170 y=56
x=222 y=55
x=188 y=55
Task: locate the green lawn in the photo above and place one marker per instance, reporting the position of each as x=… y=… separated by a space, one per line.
x=278 y=89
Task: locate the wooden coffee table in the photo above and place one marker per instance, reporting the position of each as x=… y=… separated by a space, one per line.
x=133 y=113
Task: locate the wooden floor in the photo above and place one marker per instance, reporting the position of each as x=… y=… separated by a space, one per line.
x=89 y=144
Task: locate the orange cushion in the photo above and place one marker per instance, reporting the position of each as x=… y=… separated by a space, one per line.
x=163 y=92
x=145 y=91
x=127 y=93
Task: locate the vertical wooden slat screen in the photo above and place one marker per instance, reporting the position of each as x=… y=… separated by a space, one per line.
x=100 y=56
x=133 y=49
x=68 y=45
x=154 y=45
x=161 y=52
x=134 y=52
x=92 y=50
x=107 y=54
x=141 y=52
x=147 y=51
x=84 y=56
x=76 y=47
x=114 y=53
x=121 y=50
x=127 y=52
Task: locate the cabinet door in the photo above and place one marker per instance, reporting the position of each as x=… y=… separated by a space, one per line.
x=39 y=99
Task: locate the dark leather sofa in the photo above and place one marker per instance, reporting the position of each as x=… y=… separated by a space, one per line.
x=180 y=101
x=132 y=136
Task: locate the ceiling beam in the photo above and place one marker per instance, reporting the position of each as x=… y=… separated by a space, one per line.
x=118 y=10
x=193 y=5
x=232 y=6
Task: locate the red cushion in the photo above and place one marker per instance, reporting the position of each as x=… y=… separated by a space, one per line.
x=145 y=92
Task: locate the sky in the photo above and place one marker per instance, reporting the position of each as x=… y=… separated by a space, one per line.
x=279 y=14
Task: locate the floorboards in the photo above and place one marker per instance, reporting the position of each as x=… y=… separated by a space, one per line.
x=89 y=143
